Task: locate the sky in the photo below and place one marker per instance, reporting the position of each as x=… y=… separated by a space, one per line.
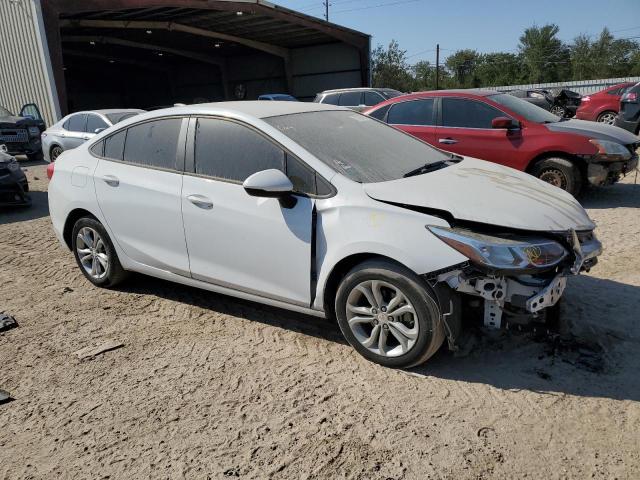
x=483 y=25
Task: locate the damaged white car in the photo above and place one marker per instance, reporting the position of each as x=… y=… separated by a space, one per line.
x=324 y=211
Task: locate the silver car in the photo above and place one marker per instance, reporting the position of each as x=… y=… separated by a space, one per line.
x=358 y=99
x=76 y=128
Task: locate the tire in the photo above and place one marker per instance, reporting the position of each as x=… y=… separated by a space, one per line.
x=35 y=157
x=96 y=244
x=558 y=110
x=559 y=172
x=55 y=152
x=419 y=326
x=608 y=118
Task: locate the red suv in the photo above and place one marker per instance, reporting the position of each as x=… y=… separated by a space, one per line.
x=602 y=106
x=504 y=129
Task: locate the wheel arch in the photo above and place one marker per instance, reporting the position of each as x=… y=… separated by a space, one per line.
x=339 y=270
x=74 y=215
x=557 y=154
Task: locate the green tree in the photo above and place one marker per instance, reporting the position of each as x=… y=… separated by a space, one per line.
x=544 y=55
x=499 y=68
x=390 y=69
x=462 y=66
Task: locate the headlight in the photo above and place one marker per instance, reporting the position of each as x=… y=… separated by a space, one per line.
x=496 y=253
x=34 y=131
x=611 y=150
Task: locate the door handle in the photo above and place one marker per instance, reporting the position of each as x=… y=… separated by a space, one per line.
x=447 y=141
x=86 y=138
x=111 y=180
x=200 y=201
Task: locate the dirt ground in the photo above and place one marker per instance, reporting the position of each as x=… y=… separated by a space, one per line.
x=207 y=386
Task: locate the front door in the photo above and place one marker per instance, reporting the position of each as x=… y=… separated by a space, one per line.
x=247 y=243
x=465 y=129
x=139 y=186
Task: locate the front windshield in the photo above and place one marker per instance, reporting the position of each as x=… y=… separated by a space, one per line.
x=362 y=149
x=528 y=110
x=5 y=113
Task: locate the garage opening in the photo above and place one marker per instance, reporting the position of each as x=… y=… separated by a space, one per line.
x=161 y=55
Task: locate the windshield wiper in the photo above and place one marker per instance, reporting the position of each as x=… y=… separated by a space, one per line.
x=428 y=167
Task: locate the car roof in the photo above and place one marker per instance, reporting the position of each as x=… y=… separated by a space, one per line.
x=253 y=108
x=359 y=89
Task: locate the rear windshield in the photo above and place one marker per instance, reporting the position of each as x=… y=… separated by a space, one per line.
x=525 y=109
x=5 y=113
x=362 y=149
x=391 y=93
x=120 y=116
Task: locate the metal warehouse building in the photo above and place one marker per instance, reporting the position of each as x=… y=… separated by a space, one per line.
x=69 y=55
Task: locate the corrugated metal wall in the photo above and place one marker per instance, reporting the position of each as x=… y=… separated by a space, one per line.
x=24 y=77
x=583 y=87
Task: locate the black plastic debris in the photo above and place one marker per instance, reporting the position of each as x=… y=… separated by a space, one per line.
x=7 y=322
x=5 y=397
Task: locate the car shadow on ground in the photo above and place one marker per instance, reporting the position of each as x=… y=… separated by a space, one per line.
x=235 y=307
x=596 y=355
x=626 y=195
x=39 y=208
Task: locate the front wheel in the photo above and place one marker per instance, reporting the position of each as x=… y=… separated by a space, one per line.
x=95 y=253
x=559 y=172
x=387 y=314
x=559 y=111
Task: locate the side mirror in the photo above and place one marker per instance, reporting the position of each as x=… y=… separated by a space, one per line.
x=271 y=183
x=505 y=122
x=98 y=130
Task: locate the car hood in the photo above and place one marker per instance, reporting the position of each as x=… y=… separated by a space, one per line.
x=14 y=121
x=484 y=192
x=593 y=130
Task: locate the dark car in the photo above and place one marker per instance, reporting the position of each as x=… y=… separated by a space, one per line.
x=21 y=133
x=629 y=115
x=559 y=101
x=504 y=129
x=13 y=182
x=357 y=99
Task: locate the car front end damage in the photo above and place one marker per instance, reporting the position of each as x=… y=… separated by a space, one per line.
x=512 y=279
x=14 y=187
x=612 y=162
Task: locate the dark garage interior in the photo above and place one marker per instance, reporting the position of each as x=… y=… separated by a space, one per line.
x=154 y=53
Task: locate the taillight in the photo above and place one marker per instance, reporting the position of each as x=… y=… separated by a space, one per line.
x=630 y=97
x=50 y=168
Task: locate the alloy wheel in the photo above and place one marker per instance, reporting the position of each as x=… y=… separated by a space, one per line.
x=559 y=111
x=555 y=177
x=382 y=318
x=607 y=118
x=92 y=253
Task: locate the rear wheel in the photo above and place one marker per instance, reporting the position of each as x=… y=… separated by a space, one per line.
x=95 y=253
x=559 y=172
x=386 y=312
x=608 y=118
x=55 y=152
x=559 y=111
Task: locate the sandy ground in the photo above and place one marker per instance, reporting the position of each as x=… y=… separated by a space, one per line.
x=207 y=386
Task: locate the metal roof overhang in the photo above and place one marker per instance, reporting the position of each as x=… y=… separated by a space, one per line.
x=254 y=24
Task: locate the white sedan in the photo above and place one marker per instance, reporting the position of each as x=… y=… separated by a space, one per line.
x=323 y=211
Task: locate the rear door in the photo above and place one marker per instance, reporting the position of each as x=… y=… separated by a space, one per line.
x=73 y=132
x=464 y=127
x=138 y=183
x=235 y=240
x=352 y=100
x=416 y=117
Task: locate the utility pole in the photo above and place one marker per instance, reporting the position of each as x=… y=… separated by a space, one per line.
x=326 y=10
x=437 y=66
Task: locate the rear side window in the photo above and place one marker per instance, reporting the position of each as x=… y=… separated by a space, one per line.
x=350 y=99
x=98 y=149
x=331 y=99
x=372 y=98
x=76 y=123
x=93 y=123
x=415 y=112
x=114 y=145
x=230 y=151
x=464 y=113
x=153 y=143
x=380 y=113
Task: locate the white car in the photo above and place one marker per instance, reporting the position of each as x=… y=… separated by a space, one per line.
x=324 y=211
x=76 y=128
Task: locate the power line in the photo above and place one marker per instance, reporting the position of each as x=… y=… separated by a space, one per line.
x=401 y=2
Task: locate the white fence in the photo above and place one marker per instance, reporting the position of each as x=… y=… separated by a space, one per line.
x=583 y=87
